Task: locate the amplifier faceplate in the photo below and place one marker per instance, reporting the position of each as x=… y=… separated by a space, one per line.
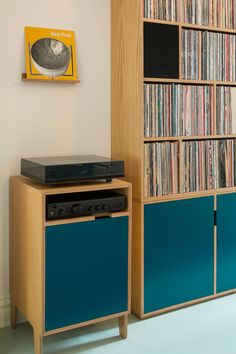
x=73 y=205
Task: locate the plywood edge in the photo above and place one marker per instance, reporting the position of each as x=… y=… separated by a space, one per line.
x=189 y=303
x=87 y=323
x=138 y=260
x=192 y=26
x=127 y=86
x=26 y=251
x=75 y=187
x=189 y=195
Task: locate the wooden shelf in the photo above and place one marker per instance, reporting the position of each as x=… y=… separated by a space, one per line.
x=192 y=26
x=186 y=138
x=150 y=200
x=32 y=245
x=86 y=218
x=24 y=78
x=116 y=184
x=69 y=221
x=142 y=62
x=192 y=82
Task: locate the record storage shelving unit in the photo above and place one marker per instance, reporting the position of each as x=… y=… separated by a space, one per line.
x=184 y=247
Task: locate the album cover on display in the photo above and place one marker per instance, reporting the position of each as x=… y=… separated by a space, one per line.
x=50 y=54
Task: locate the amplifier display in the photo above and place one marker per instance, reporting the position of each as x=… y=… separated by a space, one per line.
x=83 y=204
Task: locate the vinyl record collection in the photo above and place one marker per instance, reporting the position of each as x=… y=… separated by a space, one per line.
x=177 y=110
x=161 y=176
x=225 y=110
x=180 y=116
x=217 y=52
x=190 y=54
x=225 y=13
x=208 y=165
x=189 y=11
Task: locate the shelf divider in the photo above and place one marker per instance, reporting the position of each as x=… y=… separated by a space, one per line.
x=180 y=52
x=192 y=26
x=191 y=82
x=187 y=138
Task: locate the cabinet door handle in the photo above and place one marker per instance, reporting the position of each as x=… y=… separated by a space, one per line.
x=112 y=215
x=69 y=221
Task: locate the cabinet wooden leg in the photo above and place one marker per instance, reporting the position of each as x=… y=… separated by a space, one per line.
x=13 y=316
x=38 y=343
x=123 y=325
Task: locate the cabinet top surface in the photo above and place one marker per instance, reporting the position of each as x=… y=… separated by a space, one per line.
x=78 y=187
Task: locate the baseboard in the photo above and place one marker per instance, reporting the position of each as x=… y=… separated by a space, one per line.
x=5 y=301
x=4 y=310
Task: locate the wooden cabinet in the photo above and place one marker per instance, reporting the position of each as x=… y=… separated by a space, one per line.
x=86 y=271
x=178 y=252
x=153 y=67
x=68 y=273
x=226 y=242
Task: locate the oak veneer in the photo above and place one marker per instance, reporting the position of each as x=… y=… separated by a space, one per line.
x=128 y=127
x=27 y=251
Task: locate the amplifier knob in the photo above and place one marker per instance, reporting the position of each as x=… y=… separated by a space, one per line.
x=76 y=209
x=97 y=207
x=104 y=206
x=60 y=211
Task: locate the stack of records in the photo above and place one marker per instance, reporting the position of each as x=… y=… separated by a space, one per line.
x=217 y=53
x=198 y=12
x=208 y=165
x=225 y=13
x=178 y=110
x=161 y=176
x=225 y=110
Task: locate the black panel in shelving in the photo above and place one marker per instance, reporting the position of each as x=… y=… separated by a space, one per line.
x=161 y=51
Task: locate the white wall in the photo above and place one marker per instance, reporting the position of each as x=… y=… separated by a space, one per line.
x=39 y=119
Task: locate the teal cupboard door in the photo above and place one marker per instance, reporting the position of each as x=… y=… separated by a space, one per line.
x=86 y=273
x=226 y=242
x=178 y=252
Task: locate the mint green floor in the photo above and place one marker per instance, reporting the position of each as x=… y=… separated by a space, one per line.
x=208 y=328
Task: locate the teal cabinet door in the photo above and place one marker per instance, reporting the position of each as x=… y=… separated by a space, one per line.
x=178 y=252
x=86 y=273
x=226 y=242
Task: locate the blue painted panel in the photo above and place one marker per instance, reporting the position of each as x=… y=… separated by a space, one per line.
x=226 y=242
x=178 y=252
x=86 y=271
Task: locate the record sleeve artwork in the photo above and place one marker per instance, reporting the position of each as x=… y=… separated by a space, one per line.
x=50 y=54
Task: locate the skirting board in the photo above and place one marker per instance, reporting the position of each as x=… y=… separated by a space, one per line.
x=5 y=301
